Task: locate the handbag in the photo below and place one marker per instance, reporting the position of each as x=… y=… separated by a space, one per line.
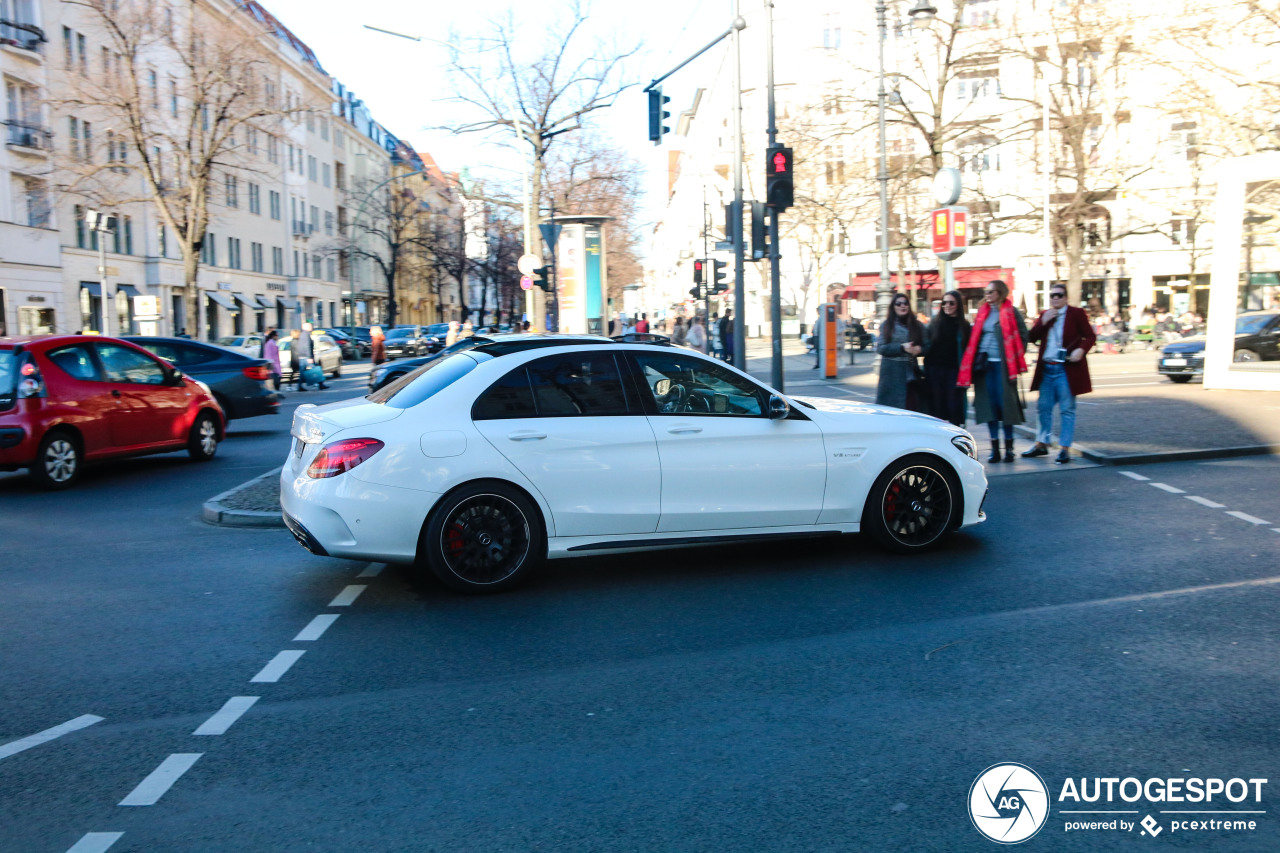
x=919 y=394
x=980 y=360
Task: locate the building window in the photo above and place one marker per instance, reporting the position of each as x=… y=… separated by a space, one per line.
x=315 y=266
x=255 y=256
x=273 y=150
x=275 y=205
x=68 y=48
x=233 y=191
x=123 y=236
x=173 y=97
x=330 y=270
x=36 y=196
x=831 y=31
x=251 y=140
x=1184 y=138
x=325 y=175
x=311 y=168
x=209 y=250
x=162 y=241
x=340 y=176
x=324 y=129
x=277 y=260
x=82 y=53
x=981 y=13
x=979 y=87
x=233 y=252
x=315 y=219
x=328 y=222
x=255 y=199
x=979 y=155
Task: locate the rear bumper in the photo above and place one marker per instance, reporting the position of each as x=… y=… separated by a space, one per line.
x=18 y=443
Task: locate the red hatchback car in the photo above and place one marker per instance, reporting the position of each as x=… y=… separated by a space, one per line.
x=70 y=399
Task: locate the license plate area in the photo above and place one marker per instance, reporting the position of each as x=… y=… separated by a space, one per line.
x=1175 y=362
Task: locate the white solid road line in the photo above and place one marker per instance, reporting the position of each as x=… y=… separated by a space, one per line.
x=226 y=716
x=1244 y=516
x=347 y=596
x=1133 y=476
x=95 y=842
x=48 y=734
x=371 y=571
x=157 y=784
x=1205 y=502
x=1170 y=489
x=278 y=666
x=316 y=627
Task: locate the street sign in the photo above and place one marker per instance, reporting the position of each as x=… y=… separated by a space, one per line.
x=950 y=232
x=528 y=263
x=146 y=306
x=111 y=271
x=550 y=235
x=526 y=283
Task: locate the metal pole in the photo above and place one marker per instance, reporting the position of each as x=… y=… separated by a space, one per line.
x=884 y=289
x=1046 y=167
x=102 y=276
x=775 y=273
x=739 y=260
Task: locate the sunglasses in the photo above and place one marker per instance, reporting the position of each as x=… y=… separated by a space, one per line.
x=1057 y=296
x=901 y=305
x=949 y=302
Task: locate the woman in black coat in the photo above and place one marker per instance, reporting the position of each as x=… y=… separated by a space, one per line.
x=948 y=334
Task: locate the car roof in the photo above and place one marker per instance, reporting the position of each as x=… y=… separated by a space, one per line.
x=42 y=342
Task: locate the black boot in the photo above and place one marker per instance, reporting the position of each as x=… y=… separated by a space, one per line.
x=995 y=451
x=1008 y=450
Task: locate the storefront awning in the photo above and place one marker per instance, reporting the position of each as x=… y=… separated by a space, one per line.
x=93 y=287
x=128 y=289
x=247 y=301
x=221 y=300
x=266 y=302
x=291 y=304
x=864 y=283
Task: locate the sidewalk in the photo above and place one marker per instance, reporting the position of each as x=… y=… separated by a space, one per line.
x=1115 y=425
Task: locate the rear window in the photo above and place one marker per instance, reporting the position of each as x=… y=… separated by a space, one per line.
x=8 y=373
x=425 y=382
x=182 y=354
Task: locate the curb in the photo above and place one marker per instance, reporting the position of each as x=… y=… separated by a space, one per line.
x=213 y=512
x=1162 y=455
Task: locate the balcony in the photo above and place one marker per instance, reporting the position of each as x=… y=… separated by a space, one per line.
x=20 y=35
x=29 y=136
x=302 y=229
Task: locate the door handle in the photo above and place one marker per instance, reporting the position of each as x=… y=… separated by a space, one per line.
x=680 y=430
x=115 y=392
x=527 y=436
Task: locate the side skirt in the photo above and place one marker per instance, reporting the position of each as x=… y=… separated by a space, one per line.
x=576 y=547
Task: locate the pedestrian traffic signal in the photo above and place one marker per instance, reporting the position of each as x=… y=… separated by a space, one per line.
x=657 y=115
x=696 y=292
x=718 y=283
x=778 y=178
x=759 y=234
x=697 y=271
x=542 y=277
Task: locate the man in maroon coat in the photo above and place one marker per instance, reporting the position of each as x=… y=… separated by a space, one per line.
x=1065 y=335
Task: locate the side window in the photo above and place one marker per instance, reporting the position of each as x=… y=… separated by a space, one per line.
x=74 y=361
x=166 y=351
x=509 y=397
x=188 y=356
x=682 y=385
x=127 y=365
x=572 y=384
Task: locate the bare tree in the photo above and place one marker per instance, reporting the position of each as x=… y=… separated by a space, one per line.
x=221 y=103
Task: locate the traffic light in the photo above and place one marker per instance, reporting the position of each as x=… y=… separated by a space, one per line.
x=778 y=178
x=697 y=271
x=542 y=277
x=718 y=284
x=657 y=115
x=759 y=234
x=696 y=292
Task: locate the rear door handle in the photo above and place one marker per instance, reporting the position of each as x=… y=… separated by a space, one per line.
x=115 y=392
x=680 y=430
x=527 y=436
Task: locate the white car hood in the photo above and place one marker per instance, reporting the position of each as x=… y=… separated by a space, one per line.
x=853 y=407
x=313 y=423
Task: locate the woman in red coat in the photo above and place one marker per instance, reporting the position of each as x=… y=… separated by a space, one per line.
x=1062 y=373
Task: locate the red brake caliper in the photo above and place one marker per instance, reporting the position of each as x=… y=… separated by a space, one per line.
x=891 y=501
x=453 y=540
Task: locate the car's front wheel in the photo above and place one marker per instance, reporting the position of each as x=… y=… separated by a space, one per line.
x=483 y=537
x=914 y=502
x=202 y=443
x=58 y=461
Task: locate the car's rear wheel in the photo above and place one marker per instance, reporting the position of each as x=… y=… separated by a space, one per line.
x=202 y=443
x=337 y=370
x=1180 y=378
x=1246 y=355
x=913 y=504
x=483 y=537
x=58 y=461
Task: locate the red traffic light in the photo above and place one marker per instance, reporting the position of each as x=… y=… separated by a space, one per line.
x=780 y=164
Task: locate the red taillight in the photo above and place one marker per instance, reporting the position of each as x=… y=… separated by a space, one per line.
x=342 y=456
x=258 y=371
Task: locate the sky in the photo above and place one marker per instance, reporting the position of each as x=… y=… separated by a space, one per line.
x=405 y=86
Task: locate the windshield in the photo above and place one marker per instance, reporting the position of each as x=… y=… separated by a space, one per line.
x=230 y=342
x=434 y=376
x=399 y=333
x=1252 y=325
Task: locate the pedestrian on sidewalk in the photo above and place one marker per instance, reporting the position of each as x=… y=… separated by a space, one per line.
x=713 y=336
x=378 y=350
x=642 y=325
x=946 y=338
x=901 y=340
x=697 y=335
x=993 y=360
x=271 y=352
x=679 y=335
x=726 y=335
x=1062 y=372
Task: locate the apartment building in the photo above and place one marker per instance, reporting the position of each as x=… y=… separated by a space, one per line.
x=30 y=278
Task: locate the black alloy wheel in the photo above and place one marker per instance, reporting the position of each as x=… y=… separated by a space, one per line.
x=483 y=538
x=912 y=504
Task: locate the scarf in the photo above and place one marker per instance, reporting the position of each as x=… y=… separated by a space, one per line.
x=1014 y=350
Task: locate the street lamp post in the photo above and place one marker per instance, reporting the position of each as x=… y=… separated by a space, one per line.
x=102 y=224
x=921 y=15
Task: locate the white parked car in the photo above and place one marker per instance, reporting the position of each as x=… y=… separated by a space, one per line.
x=482 y=463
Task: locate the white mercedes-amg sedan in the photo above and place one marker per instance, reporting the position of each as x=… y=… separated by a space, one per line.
x=482 y=464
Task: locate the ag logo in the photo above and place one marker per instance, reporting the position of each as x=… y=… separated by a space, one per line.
x=1008 y=803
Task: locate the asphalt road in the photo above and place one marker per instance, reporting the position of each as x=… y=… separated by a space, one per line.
x=792 y=697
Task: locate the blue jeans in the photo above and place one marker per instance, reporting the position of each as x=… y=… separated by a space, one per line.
x=1056 y=391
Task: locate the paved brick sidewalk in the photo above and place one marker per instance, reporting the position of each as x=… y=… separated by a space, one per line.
x=1115 y=425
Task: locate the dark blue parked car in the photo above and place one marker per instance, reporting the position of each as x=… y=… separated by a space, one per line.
x=238 y=382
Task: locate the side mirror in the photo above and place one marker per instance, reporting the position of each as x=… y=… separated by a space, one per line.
x=173 y=376
x=778 y=408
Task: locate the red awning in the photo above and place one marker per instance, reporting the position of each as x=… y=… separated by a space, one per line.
x=928 y=280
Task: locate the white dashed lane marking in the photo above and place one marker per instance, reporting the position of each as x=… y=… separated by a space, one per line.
x=278 y=666
x=316 y=627
x=158 y=783
x=1244 y=516
x=1170 y=489
x=371 y=571
x=1205 y=502
x=95 y=842
x=348 y=596
x=48 y=734
x=1133 y=476
x=226 y=716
